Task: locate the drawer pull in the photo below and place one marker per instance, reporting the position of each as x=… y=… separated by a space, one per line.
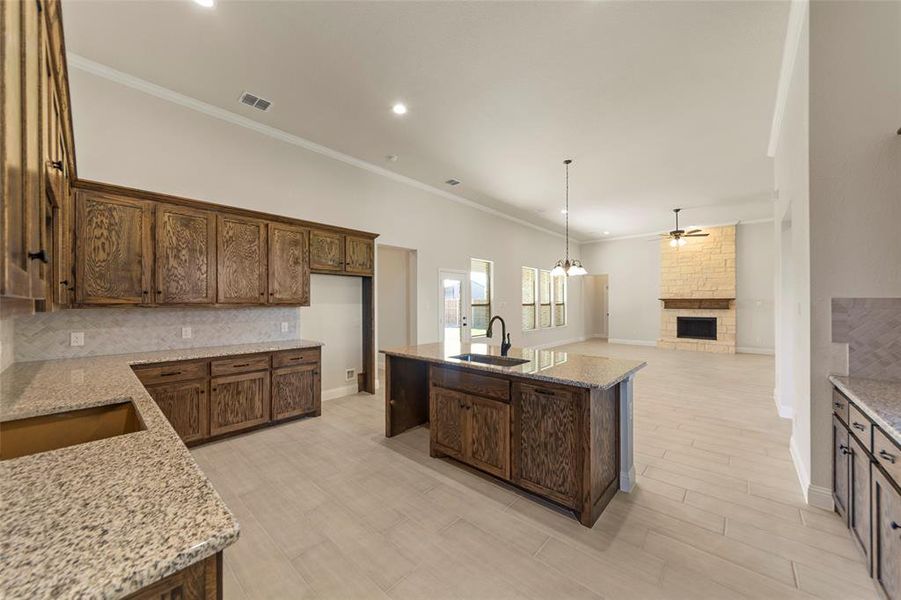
x=545 y=392
x=845 y=450
x=894 y=525
x=296 y=358
x=241 y=365
x=838 y=405
x=858 y=426
x=170 y=373
x=887 y=456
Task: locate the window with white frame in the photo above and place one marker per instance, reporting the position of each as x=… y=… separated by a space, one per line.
x=480 y=292
x=529 y=308
x=543 y=299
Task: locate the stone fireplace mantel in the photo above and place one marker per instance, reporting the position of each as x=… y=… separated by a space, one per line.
x=698 y=303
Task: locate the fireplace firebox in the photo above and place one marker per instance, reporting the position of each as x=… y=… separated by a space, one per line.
x=696 y=328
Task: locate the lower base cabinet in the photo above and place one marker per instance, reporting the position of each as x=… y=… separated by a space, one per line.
x=296 y=391
x=886 y=549
x=238 y=402
x=472 y=429
x=186 y=406
x=200 y=581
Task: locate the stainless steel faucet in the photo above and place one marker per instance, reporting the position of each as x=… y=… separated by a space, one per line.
x=505 y=337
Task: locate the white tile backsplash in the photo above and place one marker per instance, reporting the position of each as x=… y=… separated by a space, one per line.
x=45 y=336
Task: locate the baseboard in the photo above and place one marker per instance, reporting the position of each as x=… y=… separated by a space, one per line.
x=786 y=412
x=631 y=342
x=339 y=392
x=820 y=497
x=753 y=350
x=800 y=469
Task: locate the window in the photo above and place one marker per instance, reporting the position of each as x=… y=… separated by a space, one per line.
x=529 y=280
x=480 y=296
x=543 y=299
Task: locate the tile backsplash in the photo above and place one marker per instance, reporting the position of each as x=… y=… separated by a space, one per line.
x=872 y=329
x=45 y=336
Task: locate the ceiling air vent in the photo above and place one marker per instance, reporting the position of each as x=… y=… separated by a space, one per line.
x=255 y=101
x=452 y=182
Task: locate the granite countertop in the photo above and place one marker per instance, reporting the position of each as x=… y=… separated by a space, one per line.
x=543 y=365
x=105 y=518
x=879 y=399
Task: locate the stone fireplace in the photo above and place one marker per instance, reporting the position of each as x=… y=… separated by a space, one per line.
x=697 y=289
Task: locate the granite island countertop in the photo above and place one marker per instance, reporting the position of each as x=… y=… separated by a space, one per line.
x=879 y=399
x=105 y=518
x=552 y=366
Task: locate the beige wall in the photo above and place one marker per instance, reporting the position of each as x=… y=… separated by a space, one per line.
x=594 y=300
x=396 y=293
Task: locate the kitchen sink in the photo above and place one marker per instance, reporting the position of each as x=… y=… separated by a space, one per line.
x=23 y=437
x=489 y=359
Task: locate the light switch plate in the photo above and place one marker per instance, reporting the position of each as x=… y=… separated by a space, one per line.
x=76 y=338
x=284 y=327
x=186 y=333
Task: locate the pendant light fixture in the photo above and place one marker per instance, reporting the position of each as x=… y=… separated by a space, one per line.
x=566 y=266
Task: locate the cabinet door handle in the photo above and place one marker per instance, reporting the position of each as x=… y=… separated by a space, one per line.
x=887 y=456
x=894 y=525
x=845 y=450
x=40 y=255
x=838 y=405
x=858 y=426
x=57 y=164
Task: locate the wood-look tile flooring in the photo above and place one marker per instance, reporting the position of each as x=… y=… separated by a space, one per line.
x=330 y=508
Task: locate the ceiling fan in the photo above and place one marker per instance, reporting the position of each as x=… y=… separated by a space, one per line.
x=677 y=236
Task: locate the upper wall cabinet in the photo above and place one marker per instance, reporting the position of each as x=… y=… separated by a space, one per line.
x=289 y=265
x=113 y=250
x=326 y=251
x=359 y=255
x=185 y=255
x=241 y=244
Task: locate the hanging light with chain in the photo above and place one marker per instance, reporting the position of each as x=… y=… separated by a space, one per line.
x=565 y=266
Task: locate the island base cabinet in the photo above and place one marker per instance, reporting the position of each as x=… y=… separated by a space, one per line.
x=186 y=405
x=886 y=550
x=200 y=581
x=238 y=402
x=447 y=416
x=471 y=429
x=295 y=392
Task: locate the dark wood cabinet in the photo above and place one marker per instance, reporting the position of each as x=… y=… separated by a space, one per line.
x=859 y=495
x=547 y=458
x=886 y=535
x=326 y=251
x=359 y=255
x=488 y=435
x=186 y=406
x=840 y=467
x=447 y=415
x=114 y=254
x=241 y=250
x=185 y=255
x=238 y=402
x=200 y=581
x=296 y=391
x=289 y=265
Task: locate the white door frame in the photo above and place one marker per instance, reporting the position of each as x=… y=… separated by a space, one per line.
x=464 y=300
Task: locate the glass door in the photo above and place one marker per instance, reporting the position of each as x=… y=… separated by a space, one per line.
x=453 y=306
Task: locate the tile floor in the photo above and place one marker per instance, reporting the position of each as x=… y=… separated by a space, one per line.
x=330 y=508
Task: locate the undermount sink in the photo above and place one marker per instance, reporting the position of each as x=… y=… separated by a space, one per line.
x=23 y=437
x=488 y=359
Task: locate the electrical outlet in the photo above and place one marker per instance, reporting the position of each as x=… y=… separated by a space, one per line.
x=186 y=332
x=76 y=338
x=284 y=327
x=349 y=374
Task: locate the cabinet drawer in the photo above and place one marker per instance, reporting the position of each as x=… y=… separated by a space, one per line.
x=243 y=364
x=840 y=405
x=473 y=383
x=295 y=357
x=859 y=424
x=166 y=373
x=887 y=454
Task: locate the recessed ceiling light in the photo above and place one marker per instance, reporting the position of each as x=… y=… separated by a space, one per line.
x=606 y=233
x=206 y=3
x=399 y=109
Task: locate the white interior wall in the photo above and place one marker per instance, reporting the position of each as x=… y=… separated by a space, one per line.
x=754 y=287
x=128 y=137
x=394 y=297
x=594 y=303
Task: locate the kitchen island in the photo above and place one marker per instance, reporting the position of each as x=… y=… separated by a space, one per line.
x=558 y=424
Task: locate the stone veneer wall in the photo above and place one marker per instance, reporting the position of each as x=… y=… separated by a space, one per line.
x=45 y=336
x=702 y=268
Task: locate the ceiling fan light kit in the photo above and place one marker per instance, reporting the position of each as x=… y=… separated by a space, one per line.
x=677 y=236
x=567 y=266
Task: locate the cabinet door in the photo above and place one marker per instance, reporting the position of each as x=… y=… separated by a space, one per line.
x=447 y=411
x=840 y=467
x=238 y=402
x=487 y=429
x=326 y=251
x=242 y=260
x=859 y=495
x=289 y=265
x=546 y=451
x=359 y=255
x=295 y=391
x=185 y=255
x=186 y=406
x=113 y=251
x=886 y=553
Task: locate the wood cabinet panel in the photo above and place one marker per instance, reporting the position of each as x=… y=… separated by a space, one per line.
x=887 y=454
x=200 y=581
x=840 y=467
x=241 y=248
x=860 y=425
x=359 y=254
x=289 y=265
x=546 y=454
x=859 y=495
x=114 y=254
x=290 y=358
x=240 y=364
x=296 y=391
x=172 y=371
x=186 y=406
x=35 y=198
x=326 y=250
x=487 y=444
x=185 y=255
x=447 y=412
x=472 y=383
x=886 y=542
x=840 y=405
x=238 y=402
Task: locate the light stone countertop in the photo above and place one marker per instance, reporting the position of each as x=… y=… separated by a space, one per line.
x=879 y=399
x=543 y=365
x=105 y=518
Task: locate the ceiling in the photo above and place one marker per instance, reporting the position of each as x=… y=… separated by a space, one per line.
x=659 y=104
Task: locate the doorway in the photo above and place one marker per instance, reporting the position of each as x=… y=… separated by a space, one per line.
x=396 y=318
x=596 y=300
x=453 y=306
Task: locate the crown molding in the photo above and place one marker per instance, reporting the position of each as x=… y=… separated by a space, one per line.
x=796 y=18
x=702 y=226
x=87 y=65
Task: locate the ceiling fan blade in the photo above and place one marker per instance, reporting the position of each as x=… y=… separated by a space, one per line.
x=696 y=235
x=692 y=231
